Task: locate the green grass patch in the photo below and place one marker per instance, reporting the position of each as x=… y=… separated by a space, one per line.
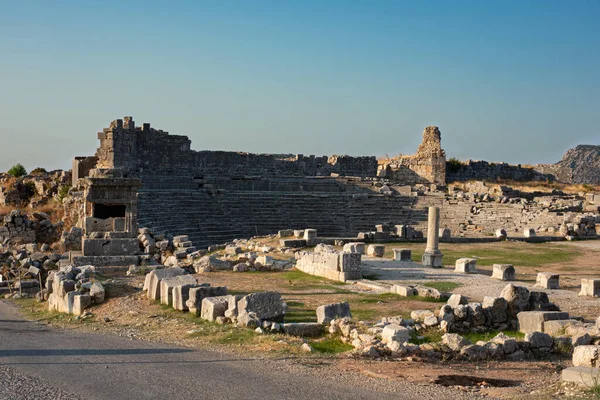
x=298 y=312
x=475 y=337
x=236 y=336
x=433 y=336
x=519 y=254
x=330 y=345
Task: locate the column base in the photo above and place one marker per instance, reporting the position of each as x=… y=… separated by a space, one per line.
x=432 y=259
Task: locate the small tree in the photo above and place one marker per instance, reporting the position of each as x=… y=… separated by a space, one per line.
x=17 y=171
x=39 y=171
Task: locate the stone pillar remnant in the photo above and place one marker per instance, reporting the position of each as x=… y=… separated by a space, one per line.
x=433 y=256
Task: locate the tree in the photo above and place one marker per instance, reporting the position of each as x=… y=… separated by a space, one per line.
x=17 y=171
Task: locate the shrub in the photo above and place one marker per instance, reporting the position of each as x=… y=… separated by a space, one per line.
x=39 y=171
x=63 y=191
x=454 y=165
x=17 y=171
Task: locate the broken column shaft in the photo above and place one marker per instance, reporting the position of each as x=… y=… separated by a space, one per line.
x=432 y=256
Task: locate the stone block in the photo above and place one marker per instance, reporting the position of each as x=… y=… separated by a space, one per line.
x=539 y=340
x=197 y=294
x=299 y=233
x=285 y=233
x=376 y=250
x=213 y=307
x=80 y=303
x=264 y=260
x=547 y=280
x=533 y=321
x=354 y=247
x=402 y=255
x=456 y=300
x=432 y=259
x=497 y=308
x=501 y=234
x=529 y=232
x=265 y=305
x=293 y=243
x=586 y=376
x=303 y=329
x=395 y=333
x=503 y=272
x=233 y=250
x=328 y=312
x=310 y=236
x=445 y=233
x=349 y=262
x=590 y=287
x=586 y=356
x=167 y=285
x=181 y=295
x=466 y=265
x=156 y=276
x=97 y=293
x=559 y=327
x=404 y=291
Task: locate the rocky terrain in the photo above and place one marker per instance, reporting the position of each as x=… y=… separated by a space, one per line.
x=584 y=160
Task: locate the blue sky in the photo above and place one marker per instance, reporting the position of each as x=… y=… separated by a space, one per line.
x=514 y=81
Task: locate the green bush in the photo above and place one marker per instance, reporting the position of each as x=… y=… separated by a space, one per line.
x=17 y=171
x=63 y=192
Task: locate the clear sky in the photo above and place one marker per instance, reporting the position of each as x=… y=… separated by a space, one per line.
x=515 y=81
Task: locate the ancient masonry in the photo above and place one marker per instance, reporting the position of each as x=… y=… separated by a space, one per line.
x=148 y=177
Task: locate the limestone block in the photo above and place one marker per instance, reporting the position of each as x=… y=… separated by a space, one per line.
x=303 y=329
x=457 y=299
x=180 y=239
x=97 y=293
x=233 y=250
x=547 y=280
x=590 y=287
x=445 y=233
x=264 y=260
x=529 y=232
x=156 y=276
x=559 y=327
x=497 y=307
x=299 y=233
x=376 y=250
x=404 y=291
x=354 y=247
x=585 y=376
x=197 y=294
x=310 y=235
x=167 y=285
x=402 y=255
x=349 y=262
x=533 y=321
x=538 y=340
x=265 y=305
x=395 y=333
x=285 y=233
x=293 y=243
x=466 y=265
x=501 y=234
x=181 y=295
x=213 y=307
x=503 y=272
x=328 y=312
x=586 y=356
x=80 y=303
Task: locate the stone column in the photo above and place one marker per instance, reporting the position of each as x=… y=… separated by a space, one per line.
x=432 y=256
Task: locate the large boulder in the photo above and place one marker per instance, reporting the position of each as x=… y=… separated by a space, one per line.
x=517 y=298
x=454 y=342
x=395 y=333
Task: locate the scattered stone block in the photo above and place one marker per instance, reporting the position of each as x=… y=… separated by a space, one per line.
x=533 y=321
x=285 y=233
x=354 y=247
x=376 y=250
x=404 y=291
x=293 y=243
x=197 y=294
x=454 y=342
x=80 y=303
x=395 y=333
x=299 y=233
x=213 y=307
x=586 y=376
x=233 y=250
x=167 y=285
x=457 y=299
x=547 y=280
x=265 y=305
x=466 y=265
x=539 y=340
x=153 y=278
x=402 y=255
x=328 y=312
x=590 y=287
x=503 y=272
x=181 y=295
x=497 y=307
x=303 y=329
x=501 y=234
x=529 y=232
x=559 y=327
x=310 y=236
x=97 y=293
x=586 y=356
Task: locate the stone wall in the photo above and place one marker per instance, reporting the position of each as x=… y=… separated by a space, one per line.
x=489 y=171
x=428 y=165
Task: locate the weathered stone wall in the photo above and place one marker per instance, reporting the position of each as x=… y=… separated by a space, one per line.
x=489 y=171
x=17 y=228
x=428 y=165
x=150 y=152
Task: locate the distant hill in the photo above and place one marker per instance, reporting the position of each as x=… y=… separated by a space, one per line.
x=584 y=160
